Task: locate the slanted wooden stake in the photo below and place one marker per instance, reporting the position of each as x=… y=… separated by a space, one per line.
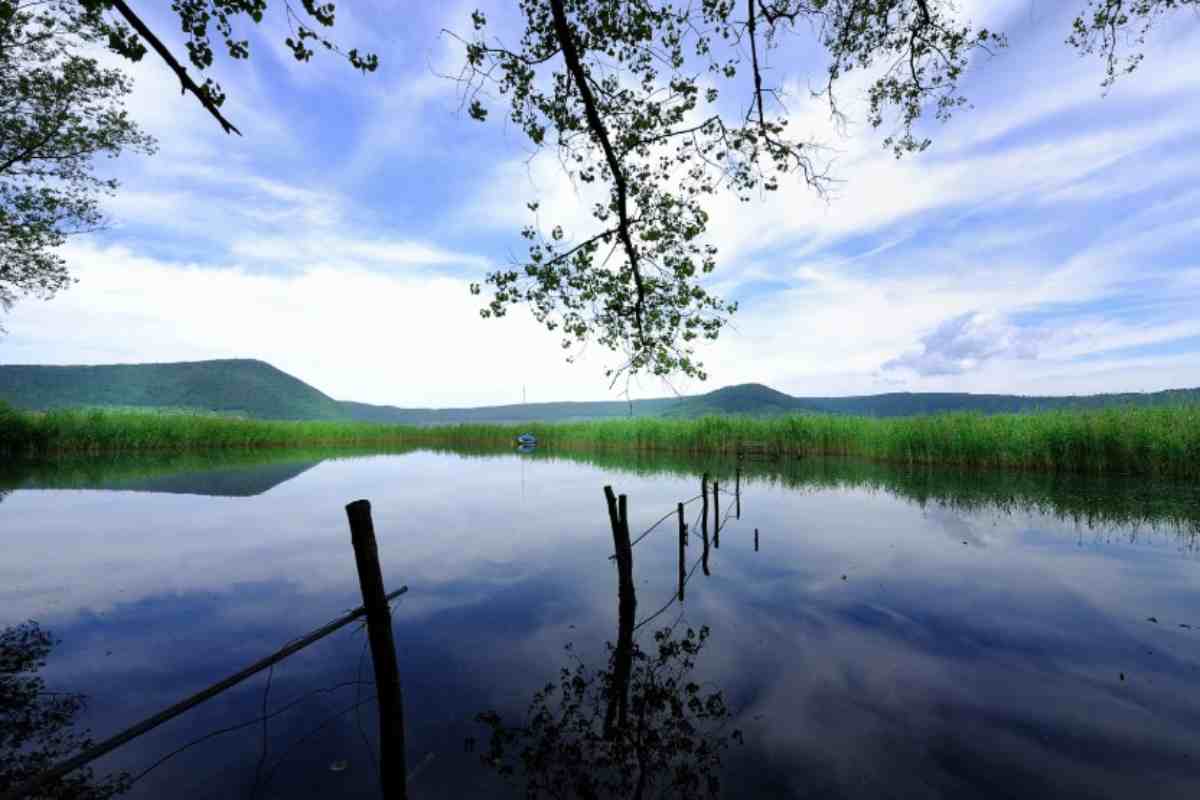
x=682 y=552
x=393 y=771
x=618 y=701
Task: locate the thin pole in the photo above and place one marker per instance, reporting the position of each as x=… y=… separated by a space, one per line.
x=756 y=540
x=716 y=515
x=704 y=520
x=682 y=552
x=150 y=723
x=737 y=491
x=393 y=770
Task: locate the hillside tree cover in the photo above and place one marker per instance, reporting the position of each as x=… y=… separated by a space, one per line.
x=663 y=104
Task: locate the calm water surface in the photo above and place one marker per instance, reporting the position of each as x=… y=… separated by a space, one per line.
x=894 y=634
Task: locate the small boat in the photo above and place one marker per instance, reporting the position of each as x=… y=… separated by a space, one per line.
x=527 y=440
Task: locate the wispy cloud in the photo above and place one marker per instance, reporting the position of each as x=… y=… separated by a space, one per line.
x=1046 y=244
x=964 y=343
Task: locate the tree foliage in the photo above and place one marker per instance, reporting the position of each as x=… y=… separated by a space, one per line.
x=36 y=726
x=665 y=102
x=211 y=25
x=1106 y=25
x=59 y=111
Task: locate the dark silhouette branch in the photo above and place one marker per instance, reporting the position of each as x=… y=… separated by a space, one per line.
x=185 y=80
x=570 y=50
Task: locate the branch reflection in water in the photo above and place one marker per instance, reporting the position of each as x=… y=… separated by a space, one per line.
x=668 y=733
x=37 y=727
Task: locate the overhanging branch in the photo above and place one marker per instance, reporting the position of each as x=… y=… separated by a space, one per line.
x=570 y=50
x=185 y=80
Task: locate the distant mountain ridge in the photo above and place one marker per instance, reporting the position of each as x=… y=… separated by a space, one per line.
x=257 y=389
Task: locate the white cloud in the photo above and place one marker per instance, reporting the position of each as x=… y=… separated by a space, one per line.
x=1047 y=201
x=964 y=342
x=332 y=249
x=413 y=340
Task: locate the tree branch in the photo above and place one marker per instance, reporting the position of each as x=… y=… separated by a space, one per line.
x=185 y=80
x=566 y=40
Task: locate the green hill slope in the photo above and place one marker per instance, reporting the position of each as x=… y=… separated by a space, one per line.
x=227 y=386
x=257 y=389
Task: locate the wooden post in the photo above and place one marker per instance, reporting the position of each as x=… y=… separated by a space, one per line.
x=393 y=771
x=704 y=521
x=682 y=552
x=737 y=491
x=756 y=540
x=716 y=515
x=618 y=701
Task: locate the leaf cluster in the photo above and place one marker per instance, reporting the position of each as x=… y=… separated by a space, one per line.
x=209 y=24
x=1106 y=25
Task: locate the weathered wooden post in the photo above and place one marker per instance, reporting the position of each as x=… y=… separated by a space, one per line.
x=393 y=771
x=716 y=515
x=737 y=491
x=756 y=540
x=704 y=520
x=682 y=552
x=618 y=701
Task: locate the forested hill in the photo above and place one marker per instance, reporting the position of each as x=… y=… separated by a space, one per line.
x=257 y=389
x=227 y=386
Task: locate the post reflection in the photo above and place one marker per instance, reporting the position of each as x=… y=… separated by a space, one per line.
x=639 y=727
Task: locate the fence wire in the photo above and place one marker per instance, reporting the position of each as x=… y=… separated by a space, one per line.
x=695 y=565
x=261 y=782
x=663 y=519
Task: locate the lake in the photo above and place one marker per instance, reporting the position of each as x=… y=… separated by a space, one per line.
x=887 y=632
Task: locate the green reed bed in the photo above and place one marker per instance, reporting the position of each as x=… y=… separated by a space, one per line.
x=1142 y=441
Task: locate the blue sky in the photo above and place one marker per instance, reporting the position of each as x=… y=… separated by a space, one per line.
x=1046 y=243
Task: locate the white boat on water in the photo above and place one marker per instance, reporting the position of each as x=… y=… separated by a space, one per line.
x=527 y=440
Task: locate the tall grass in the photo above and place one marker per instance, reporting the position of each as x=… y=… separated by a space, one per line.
x=1157 y=441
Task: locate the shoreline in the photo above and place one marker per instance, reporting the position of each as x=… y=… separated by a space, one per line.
x=1153 y=442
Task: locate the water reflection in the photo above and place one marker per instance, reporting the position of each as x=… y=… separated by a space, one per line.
x=37 y=726
x=1101 y=504
x=1020 y=662
x=641 y=727
x=224 y=474
x=671 y=745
